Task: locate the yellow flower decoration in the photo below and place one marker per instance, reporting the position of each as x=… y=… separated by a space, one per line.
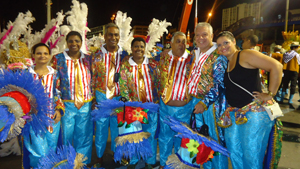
x=193 y=146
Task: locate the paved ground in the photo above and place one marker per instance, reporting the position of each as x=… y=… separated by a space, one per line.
x=290 y=158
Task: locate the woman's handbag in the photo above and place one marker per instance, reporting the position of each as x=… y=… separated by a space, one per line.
x=273 y=110
x=203 y=129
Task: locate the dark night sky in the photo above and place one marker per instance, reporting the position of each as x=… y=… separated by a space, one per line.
x=141 y=11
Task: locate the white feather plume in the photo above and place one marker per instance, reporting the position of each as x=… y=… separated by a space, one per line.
x=78 y=20
x=10 y=147
x=126 y=36
x=155 y=31
x=20 y=26
x=38 y=36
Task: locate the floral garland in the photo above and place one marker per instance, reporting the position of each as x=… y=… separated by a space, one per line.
x=201 y=151
x=132 y=114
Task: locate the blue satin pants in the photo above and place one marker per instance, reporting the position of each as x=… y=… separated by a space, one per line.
x=38 y=146
x=166 y=137
x=102 y=129
x=248 y=142
x=77 y=128
x=150 y=128
x=219 y=161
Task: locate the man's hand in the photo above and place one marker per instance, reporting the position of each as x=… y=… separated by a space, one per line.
x=57 y=116
x=199 y=108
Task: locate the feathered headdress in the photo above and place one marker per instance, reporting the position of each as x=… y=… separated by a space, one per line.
x=48 y=33
x=11 y=49
x=195 y=148
x=155 y=31
x=23 y=105
x=126 y=36
x=78 y=20
x=132 y=141
x=95 y=43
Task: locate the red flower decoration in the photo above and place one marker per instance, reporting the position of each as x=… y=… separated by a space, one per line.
x=184 y=141
x=205 y=153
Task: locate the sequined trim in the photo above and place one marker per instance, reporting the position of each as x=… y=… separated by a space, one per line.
x=85 y=101
x=240 y=114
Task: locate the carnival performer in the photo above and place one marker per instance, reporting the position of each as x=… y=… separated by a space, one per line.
x=106 y=68
x=174 y=101
x=247 y=124
x=279 y=57
x=75 y=85
x=206 y=85
x=139 y=82
x=291 y=61
x=37 y=145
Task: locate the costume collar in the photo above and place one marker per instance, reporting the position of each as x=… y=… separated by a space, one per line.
x=208 y=52
x=51 y=70
x=69 y=58
x=277 y=52
x=119 y=51
x=132 y=62
x=185 y=54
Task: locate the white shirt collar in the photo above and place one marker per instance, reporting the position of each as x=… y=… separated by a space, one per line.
x=51 y=70
x=69 y=58
x=132 y=62
x=208 y=52
x=185 y=54
x=105 y=51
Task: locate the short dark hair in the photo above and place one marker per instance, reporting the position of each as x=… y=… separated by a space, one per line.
x=72 y=33
x=253 y=40
x=138 y=39
x=109 y=25
x=33 y=49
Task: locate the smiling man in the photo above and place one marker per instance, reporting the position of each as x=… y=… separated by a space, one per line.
x=106 y=68
x=174 y=101
x=206 y=86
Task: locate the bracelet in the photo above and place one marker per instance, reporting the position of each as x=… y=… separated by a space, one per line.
x=271 y=94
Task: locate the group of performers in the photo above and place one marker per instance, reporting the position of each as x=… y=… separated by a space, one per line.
x=179 y=82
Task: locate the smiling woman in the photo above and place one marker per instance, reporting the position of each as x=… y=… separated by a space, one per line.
x=243 y=69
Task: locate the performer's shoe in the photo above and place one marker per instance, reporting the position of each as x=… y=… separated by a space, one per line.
x=124 y=162
x=291 y=106
x=161 y=167
x=97 y=165
x=148 y=166
x=131 y=166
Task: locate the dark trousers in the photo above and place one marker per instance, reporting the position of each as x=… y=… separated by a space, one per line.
x=289 y=76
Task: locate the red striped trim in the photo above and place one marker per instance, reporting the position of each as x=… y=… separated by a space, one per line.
x=149 y=93
x=82 y=72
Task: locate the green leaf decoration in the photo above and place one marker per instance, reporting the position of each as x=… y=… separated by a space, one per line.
x=145 y=120
x=118 y=110
x=146 y=110
x=217 y=153
x=121 y=124
x=194 y=160
x=128 y=125
x=192 y=154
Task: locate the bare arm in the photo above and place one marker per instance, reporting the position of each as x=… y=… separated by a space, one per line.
x=254 y=59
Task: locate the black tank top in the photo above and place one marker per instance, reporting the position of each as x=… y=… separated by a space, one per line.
x=247 y=78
